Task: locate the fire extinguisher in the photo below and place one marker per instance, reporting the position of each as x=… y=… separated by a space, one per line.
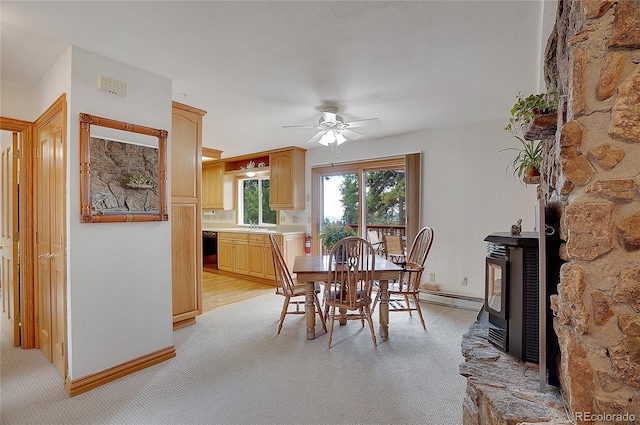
x=307 y=244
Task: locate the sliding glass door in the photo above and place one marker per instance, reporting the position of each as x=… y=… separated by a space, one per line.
x=369 y=196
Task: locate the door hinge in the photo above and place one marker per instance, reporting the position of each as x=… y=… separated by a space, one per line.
x=62 y=349
x=37 y=153
x=36 y=237
x=18 y=319
x=16 y=154
x=37 y=321
x=16 y=237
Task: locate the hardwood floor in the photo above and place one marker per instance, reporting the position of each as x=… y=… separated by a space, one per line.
x=219 y=290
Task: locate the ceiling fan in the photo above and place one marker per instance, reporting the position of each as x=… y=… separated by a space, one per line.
x=332 y=128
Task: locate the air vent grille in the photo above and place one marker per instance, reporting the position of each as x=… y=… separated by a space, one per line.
x=495 y=250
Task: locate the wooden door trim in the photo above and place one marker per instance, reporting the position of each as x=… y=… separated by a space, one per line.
x=26 y=211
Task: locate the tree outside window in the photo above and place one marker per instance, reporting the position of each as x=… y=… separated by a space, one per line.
x=254 y=202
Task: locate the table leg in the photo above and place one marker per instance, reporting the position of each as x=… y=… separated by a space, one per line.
x=384 y=309
x=309 y=309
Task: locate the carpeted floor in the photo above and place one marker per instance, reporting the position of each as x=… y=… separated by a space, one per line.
x=232 y=368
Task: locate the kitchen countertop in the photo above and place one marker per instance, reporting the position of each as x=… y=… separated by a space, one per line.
x=247 y=230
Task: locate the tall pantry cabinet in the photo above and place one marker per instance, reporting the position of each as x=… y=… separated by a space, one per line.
x=186 y=226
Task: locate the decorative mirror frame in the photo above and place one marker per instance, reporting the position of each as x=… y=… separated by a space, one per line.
x=86 y=216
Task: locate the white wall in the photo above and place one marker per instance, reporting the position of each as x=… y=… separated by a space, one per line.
x=119 y=274
x=17 y=102
x=466 y=193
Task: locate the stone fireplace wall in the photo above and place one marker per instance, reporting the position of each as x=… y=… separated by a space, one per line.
x=592 y=180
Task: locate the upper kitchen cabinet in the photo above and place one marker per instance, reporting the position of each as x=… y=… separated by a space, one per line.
x=287 y=179
x=213 y=185
x=285 y=168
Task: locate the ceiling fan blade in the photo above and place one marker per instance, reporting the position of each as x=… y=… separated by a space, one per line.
x=363 y=123
x=300 y=126
x=316 y=137
x=329 y=117
x=350 y=134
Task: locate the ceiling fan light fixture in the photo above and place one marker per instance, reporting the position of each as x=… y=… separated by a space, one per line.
x=333 y=129
x=327 y=138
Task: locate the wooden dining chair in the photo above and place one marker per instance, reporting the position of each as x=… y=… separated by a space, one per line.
x=289 y=289
x=407 y=287
x=349 y=283
x=394 y=249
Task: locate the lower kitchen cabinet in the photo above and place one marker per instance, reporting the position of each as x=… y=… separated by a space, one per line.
x=233 y=252
x=250 y=253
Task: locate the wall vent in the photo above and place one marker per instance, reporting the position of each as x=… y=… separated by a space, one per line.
x=112 y=86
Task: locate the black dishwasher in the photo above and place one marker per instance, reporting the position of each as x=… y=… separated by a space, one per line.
x=210 y=249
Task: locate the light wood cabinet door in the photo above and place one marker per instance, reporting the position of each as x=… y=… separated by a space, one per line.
x=213 y=186
x=256 y=258
x=241 y=257
x=185 y=216
x=287 y=179
x=225 y=254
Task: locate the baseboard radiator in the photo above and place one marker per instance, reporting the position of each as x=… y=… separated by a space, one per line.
x=451 y=300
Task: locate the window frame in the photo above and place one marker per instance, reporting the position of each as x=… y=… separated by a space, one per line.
x=411 y=163
x=240 y=201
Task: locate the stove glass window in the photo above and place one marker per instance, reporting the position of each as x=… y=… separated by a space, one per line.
x=494 y=286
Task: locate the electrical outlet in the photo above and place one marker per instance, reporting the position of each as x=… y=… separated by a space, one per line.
x=464 y=281
x=432 y=277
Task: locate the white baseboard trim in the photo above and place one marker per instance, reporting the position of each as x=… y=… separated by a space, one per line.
x=451 y=300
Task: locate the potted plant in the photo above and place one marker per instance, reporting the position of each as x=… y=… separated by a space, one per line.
x=332 y=232
x=527 y=162
x=527 y=108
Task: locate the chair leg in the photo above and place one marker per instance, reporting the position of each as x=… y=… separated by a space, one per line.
x=370 y=320
x=419 y=310
x=332 y=319
x=319 y=308
x=406 y=300
x=285 y=307
x=375 y=301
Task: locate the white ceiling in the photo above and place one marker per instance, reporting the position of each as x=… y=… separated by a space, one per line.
x=256 y=66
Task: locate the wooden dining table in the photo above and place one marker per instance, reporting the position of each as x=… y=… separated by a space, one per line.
x=314 y=268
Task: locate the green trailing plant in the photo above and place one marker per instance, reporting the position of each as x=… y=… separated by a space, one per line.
x=332 y=232
x=528 y=157
x=527 y=108
x=138 y=180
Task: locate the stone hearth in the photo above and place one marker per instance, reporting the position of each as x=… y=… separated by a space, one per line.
x=501 y=390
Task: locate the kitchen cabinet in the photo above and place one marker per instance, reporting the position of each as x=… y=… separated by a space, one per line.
x=233 y=252
x=185 y=215
x=287 y=179
x=249 y=253
x=261 y=256
x=285 y=168
x=213 y=186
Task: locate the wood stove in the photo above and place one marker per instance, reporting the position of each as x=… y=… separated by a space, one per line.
x=511 y=294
